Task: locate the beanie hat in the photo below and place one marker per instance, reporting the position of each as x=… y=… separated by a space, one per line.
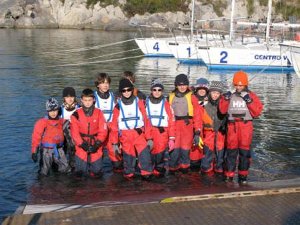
x=216 y=86
x=52 y=104
x=125 y=83
x=156 y=82
x=202 y=83
x=181 y=79
x=68 y=92
x=240 y=78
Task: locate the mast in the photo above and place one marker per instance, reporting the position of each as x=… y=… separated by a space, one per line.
x=269 y=21
x=231 y=21
x=192 y=19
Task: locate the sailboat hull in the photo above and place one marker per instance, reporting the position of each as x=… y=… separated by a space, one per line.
x=249 y=57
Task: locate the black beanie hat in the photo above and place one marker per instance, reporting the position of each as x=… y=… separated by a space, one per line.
x=181 y=79
x=69 y=91
x=125 y=83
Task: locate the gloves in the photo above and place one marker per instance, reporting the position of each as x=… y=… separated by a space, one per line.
x=150 y=144
x=171 y=145
x=245 y=95
x=196 y=137
x=117 y=149
x=34 y=157
x=198 y=140
x=227 y=95
x=85 y=146
x=161 y=129
x=97 y=145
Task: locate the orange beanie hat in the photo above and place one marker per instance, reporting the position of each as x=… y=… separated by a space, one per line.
x=240 y=78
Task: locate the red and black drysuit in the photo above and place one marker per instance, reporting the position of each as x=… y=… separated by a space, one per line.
x=188 y=119
x=48 y=136
x=239 y=131
x=130 y=128
x=88 y=128
x=162 y=122
x=196 y=153
x=213 y=137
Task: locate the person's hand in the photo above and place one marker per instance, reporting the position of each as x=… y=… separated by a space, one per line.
x=150 y=144
x=245 y=95
x=85 y=146
x=97 y=145
x=227 y=95
x=171 y=145
x=117 y=149
x=196 y=138
x=34 y=157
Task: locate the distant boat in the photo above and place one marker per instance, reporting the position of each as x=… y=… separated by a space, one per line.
x=250 y=55
x=293 y=47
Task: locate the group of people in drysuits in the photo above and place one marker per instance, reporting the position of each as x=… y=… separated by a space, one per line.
x=195 y=128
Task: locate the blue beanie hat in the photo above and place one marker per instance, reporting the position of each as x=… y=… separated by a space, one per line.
x=202 y=83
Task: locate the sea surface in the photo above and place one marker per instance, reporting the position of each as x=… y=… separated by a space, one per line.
x=37 y=64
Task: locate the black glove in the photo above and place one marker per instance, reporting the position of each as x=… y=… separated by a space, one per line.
x=227 y=95
x=97 y=144
x=196 y=138
x=161 y=129
x=34 y=157
x=139 y=130
x=245 y=95
x=84 y=146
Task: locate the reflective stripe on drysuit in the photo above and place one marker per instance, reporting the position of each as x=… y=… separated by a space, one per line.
x=239 y=137
x=89 y=129
x=162 y=127
x=131 y=132
x=214 y=140
x=184 y=126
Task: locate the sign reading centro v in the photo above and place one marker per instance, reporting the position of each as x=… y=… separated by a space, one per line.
x=270 y=57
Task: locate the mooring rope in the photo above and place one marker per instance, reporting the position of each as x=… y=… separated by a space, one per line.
x=101 y=56
x=96 y=62
x=87 y=48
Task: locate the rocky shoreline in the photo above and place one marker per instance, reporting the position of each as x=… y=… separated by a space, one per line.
x=74 y=14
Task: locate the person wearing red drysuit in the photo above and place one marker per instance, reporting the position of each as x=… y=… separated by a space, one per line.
x=241 y=107
x=161 y=117
x=48 y=137
x=89 y=131
x=131 y=129
x=188 y=124
x=106 y=101
x=201 y=93
x=214 y=124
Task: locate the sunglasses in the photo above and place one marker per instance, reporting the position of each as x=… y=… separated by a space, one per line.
x=157 y=90
x=127 y=90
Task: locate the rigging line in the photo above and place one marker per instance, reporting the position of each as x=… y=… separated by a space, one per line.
x=135 y=49
x=96 y=62
x=88 y=48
